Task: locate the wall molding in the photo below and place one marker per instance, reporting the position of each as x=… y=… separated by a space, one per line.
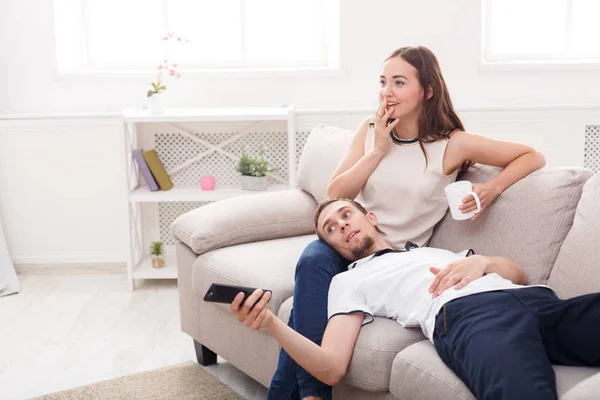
x=58 y=125
x=59 y=115
x=302 y=111
x=307 y=119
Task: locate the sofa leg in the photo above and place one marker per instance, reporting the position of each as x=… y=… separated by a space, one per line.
x=204 y=355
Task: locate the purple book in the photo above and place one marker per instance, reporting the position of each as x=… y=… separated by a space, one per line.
x=139 y=158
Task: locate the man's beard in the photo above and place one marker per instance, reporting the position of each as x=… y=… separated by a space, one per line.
x=363 y=247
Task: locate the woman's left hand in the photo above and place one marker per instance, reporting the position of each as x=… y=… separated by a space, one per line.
x=486 y=193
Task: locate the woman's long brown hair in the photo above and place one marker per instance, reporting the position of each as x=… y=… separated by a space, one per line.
x=437 y=119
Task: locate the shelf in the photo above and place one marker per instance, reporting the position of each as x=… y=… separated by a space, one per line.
x=145 y=270
x=140 y=267
x=209 y=114
x=143 y=195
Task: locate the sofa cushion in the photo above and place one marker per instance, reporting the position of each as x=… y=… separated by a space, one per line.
x=268 y=264
x=376 y=348
x=527 y=223
x=419 y=373
x=577 y=268
x=285 y=310
x=569 y=379
x=587 y=389
x=343 y=391
x=246 y=219
x=325 y=147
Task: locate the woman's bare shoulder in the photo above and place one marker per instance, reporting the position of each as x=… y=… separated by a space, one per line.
x=361 y=131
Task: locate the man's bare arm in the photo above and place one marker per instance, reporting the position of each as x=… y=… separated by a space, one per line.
x=328 y=362
x=459 y=273
x=507 y=269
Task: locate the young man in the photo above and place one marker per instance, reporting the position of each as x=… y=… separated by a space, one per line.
x=500 y=337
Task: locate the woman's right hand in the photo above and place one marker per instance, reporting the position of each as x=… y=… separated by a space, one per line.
x=382 y=129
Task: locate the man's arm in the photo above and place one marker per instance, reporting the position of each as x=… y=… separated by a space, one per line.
x=328 y=362
x=507 y=269
x=459 y=273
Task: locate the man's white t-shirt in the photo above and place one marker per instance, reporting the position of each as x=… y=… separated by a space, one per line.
x=396 y=285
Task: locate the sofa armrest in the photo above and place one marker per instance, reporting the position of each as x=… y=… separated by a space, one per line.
x=246 y=219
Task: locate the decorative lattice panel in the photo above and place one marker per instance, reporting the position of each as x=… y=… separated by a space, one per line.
x=168 y=212
x=301 y=138
x=592 y=147
x=174 y=149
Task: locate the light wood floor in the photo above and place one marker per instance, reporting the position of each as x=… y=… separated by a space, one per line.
x=71 y=327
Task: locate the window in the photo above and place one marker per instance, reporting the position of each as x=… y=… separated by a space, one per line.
x=542 y=30
x=125 y=34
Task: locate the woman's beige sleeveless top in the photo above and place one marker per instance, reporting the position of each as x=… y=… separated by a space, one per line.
x=407 y=197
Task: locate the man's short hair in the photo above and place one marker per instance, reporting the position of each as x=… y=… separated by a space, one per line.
x=327 y=202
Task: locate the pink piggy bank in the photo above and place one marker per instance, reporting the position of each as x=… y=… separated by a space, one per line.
x=208 y=182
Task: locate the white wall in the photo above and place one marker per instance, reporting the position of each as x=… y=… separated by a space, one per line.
x=62 y=181
x=62 y=190
x=369 y=32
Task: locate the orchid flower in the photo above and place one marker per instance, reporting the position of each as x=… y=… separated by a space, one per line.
x=172 y=69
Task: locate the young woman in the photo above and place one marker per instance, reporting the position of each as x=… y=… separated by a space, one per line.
x=398 y=164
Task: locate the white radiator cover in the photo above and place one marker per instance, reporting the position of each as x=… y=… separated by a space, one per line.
x=591 y=158
x=174 y=149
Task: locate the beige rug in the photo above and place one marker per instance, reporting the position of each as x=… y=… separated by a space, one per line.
x=187 y=381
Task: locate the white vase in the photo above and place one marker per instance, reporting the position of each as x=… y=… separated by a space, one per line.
x=254 y=182
x=157 y=103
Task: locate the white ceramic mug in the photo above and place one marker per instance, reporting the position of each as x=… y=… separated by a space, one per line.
x=455 y=193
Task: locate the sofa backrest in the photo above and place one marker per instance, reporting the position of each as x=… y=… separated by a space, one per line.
x=325 y=147
x=577 y=268
x=527 y=223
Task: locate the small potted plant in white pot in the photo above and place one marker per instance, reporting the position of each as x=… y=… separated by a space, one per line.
x=157 y=250
x=253 y=171
x=166 y=70
x=157 y=100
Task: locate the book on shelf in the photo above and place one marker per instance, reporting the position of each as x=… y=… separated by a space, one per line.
x=158 y=170
x=144 y=170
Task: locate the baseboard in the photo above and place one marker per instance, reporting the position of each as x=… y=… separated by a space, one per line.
x=71 y=269
x=57 y=259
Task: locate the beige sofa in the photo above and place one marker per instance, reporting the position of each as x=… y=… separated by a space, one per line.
x=549 y=223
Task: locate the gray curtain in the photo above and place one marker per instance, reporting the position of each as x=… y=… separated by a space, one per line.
x=9 y=282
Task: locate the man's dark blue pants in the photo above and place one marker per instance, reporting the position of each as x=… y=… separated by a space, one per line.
x=502 y=344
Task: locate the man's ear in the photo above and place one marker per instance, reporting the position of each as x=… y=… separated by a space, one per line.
x=429 y=92
x=372 y=218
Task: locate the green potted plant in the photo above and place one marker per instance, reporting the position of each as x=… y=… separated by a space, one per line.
x=253 y=171
x=157 y=250
x=157 y=101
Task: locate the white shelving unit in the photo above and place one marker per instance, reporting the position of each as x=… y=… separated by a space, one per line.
x=139 y=265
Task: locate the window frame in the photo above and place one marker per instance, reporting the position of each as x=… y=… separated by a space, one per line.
x=512 y=62
x=329 y=64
